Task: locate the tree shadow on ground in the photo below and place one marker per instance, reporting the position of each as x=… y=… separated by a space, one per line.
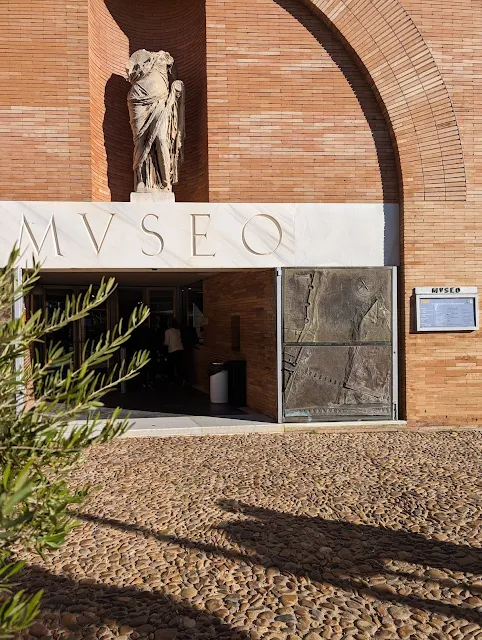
x=352 y=557
x=100 y=607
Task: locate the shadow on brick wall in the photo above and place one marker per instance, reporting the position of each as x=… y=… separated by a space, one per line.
x=379 y=127
x=118 y=142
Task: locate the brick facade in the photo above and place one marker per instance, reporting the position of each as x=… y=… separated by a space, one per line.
x=251 y=295
x=321 y=100
x=443 y=241
x=44 y=102
x=291 y=118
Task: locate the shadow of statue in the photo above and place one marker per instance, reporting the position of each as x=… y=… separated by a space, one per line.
x=118 y=139
x=345 y=555
x=96 y=608
x=306 y=538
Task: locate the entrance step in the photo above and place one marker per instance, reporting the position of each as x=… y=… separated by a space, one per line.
x=210 y=425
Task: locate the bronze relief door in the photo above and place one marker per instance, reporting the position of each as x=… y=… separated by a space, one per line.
x=338 y=344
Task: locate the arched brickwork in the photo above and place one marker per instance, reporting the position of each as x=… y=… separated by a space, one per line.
x=291 y=117
x=308 y=129
x=412 y=91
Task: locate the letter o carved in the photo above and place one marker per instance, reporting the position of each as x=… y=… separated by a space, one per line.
x=278 y=229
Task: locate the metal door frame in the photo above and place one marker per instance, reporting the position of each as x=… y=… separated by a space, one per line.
x=279 y=341
x=395 y=399
x=76 y=329
x=279 y=338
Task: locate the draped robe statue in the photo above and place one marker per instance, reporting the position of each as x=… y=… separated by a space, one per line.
x=156 y=109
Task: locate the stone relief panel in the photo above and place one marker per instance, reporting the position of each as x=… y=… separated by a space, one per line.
x=337 y=354
x=335 y=382
x=337 y=305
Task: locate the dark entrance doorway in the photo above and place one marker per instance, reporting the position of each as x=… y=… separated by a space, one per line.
x=230 y=329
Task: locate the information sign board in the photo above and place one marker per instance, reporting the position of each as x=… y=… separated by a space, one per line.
x=447 y=308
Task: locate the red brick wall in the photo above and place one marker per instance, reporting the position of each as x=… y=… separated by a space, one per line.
x=291 y=118
x=252 y=296
x=44 y=101
x=117 y=29
x=111 y=141
x=443 y=241
x=286 y=123
x=443 y=371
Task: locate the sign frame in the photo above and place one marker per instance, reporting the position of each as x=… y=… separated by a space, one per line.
x=441 y=293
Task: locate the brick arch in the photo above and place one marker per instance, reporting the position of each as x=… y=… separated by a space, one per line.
x=412 y=92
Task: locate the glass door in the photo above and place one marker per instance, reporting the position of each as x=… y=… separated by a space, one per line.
x=76 y=337
x=128 y=299
x=91 y=329
x=51 y=300
x=162 y=305
x=193 y=312
x=34 y=302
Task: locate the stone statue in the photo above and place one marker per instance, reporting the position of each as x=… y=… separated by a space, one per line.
x=156 y=109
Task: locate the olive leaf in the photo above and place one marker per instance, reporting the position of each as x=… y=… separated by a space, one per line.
x=42 y=430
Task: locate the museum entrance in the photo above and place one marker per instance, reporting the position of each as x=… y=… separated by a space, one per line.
x=298 y=345
x=226 y=317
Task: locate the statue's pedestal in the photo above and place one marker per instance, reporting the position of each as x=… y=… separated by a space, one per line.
x=152 y=196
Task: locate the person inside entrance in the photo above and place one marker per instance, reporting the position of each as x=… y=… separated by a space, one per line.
x=175 y=352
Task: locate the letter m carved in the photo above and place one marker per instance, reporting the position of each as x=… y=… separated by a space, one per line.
x=36 y=245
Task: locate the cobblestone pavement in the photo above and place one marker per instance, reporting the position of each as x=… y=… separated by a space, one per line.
x=282 y=536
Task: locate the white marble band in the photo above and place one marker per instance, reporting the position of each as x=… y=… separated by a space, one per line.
x=112 y=235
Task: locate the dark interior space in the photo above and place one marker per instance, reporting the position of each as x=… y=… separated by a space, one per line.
x=164 y=401
x=157 y=391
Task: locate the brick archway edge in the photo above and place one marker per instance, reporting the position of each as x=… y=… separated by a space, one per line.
x=412 y=92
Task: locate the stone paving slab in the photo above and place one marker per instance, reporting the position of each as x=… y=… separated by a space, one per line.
x=288 y=536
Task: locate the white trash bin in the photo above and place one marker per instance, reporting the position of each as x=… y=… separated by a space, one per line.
x=218 y=383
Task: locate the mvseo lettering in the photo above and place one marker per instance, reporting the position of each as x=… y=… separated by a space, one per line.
x=445 y=289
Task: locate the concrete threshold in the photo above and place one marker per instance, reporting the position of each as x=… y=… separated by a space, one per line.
x=205 y=425
x=213 y=426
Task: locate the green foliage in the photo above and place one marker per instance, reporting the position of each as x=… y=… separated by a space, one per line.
x=40 y=440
